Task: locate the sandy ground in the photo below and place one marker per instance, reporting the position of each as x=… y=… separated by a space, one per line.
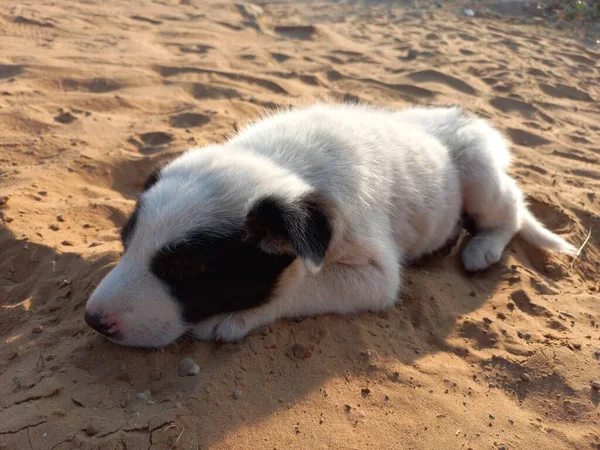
x=94 y=94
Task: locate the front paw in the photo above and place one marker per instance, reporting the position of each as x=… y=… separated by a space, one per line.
x=232 y=328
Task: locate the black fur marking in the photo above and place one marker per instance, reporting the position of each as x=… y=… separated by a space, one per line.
x=152 y=180
x=304 y=224
x=211 y=275
x=127 y=230
x=129 y=227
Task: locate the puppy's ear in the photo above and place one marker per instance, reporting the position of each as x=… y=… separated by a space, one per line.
x=302 y=226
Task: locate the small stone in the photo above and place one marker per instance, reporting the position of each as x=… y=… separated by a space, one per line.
x=597 y=353
x=92 y=429
x=527 y=336
x=596 y=385
x=577 y=345
x=8 y=219
x=237 y=394
x=469 y=12
x=501 y=447
x=178 y=405
x=365 y=391
x=301 y=351
x=188 y=367
x=3 y=199
x=520 y=334
x=387 y=398
x=501 y=316
x=37 y=330
x=348 y=408
x=64 y=291
x=525 y=377
x=54 y=227
x=60 y=218
x=67 y=243
x=146 y=395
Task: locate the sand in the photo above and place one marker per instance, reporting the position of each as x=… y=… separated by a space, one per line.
x=94 y=94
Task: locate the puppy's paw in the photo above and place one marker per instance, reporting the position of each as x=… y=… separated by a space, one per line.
x=232 y=327
x=480 y=253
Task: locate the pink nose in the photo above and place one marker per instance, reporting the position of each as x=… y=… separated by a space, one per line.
x=102 y=325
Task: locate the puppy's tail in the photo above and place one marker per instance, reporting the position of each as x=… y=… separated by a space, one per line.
x=536 y=234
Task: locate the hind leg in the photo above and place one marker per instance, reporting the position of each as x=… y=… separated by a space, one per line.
x=496 y=209
x=490 y=197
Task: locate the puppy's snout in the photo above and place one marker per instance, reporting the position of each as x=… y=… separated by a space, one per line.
x=102 y=325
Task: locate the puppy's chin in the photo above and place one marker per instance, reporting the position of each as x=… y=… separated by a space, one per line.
x=145 y=342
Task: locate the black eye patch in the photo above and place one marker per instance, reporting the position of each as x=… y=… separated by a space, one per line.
x=211 y=275
x=129 y=227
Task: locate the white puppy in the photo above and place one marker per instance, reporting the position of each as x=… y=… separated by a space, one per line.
x=307 y=212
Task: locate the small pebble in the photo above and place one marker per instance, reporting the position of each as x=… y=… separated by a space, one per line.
x=527 y=336
x=60 y=218
x=577 y=345
x=92 y=429
x=67 y=243
x=597 y=353
x=3 y=199
x=37 y=330
x=146 y=395
x=525 y=377
x=54 y=227
x=501 y=447
x=237 y=394
x=178 y=405
x=188 y=367
x=469 y=12
x=365 y=391
x=596 y=385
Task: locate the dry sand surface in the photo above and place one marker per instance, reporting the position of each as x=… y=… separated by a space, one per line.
x=94 y=94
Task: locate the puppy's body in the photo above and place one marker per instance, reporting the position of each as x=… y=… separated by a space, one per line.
x=324 y=204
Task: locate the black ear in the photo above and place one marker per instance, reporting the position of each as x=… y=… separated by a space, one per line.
x=302 y=226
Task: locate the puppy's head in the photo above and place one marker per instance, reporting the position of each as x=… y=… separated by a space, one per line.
x=205 y=239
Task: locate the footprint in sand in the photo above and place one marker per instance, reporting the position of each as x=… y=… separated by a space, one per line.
x=564 y=91
x=551 y=216
x=508 y=105
x=204 y=91
x=94 y=85
x=301 y=32
x=151 y=142
x=280 y=57
x=433 y=76
x=522 y=300
x=65 y=118
x=10 y=70
x=522 y=137
x=189 y=120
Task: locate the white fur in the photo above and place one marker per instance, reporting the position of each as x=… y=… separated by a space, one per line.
x=399 y=179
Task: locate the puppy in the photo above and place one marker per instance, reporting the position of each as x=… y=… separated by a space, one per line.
x=309 y=211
